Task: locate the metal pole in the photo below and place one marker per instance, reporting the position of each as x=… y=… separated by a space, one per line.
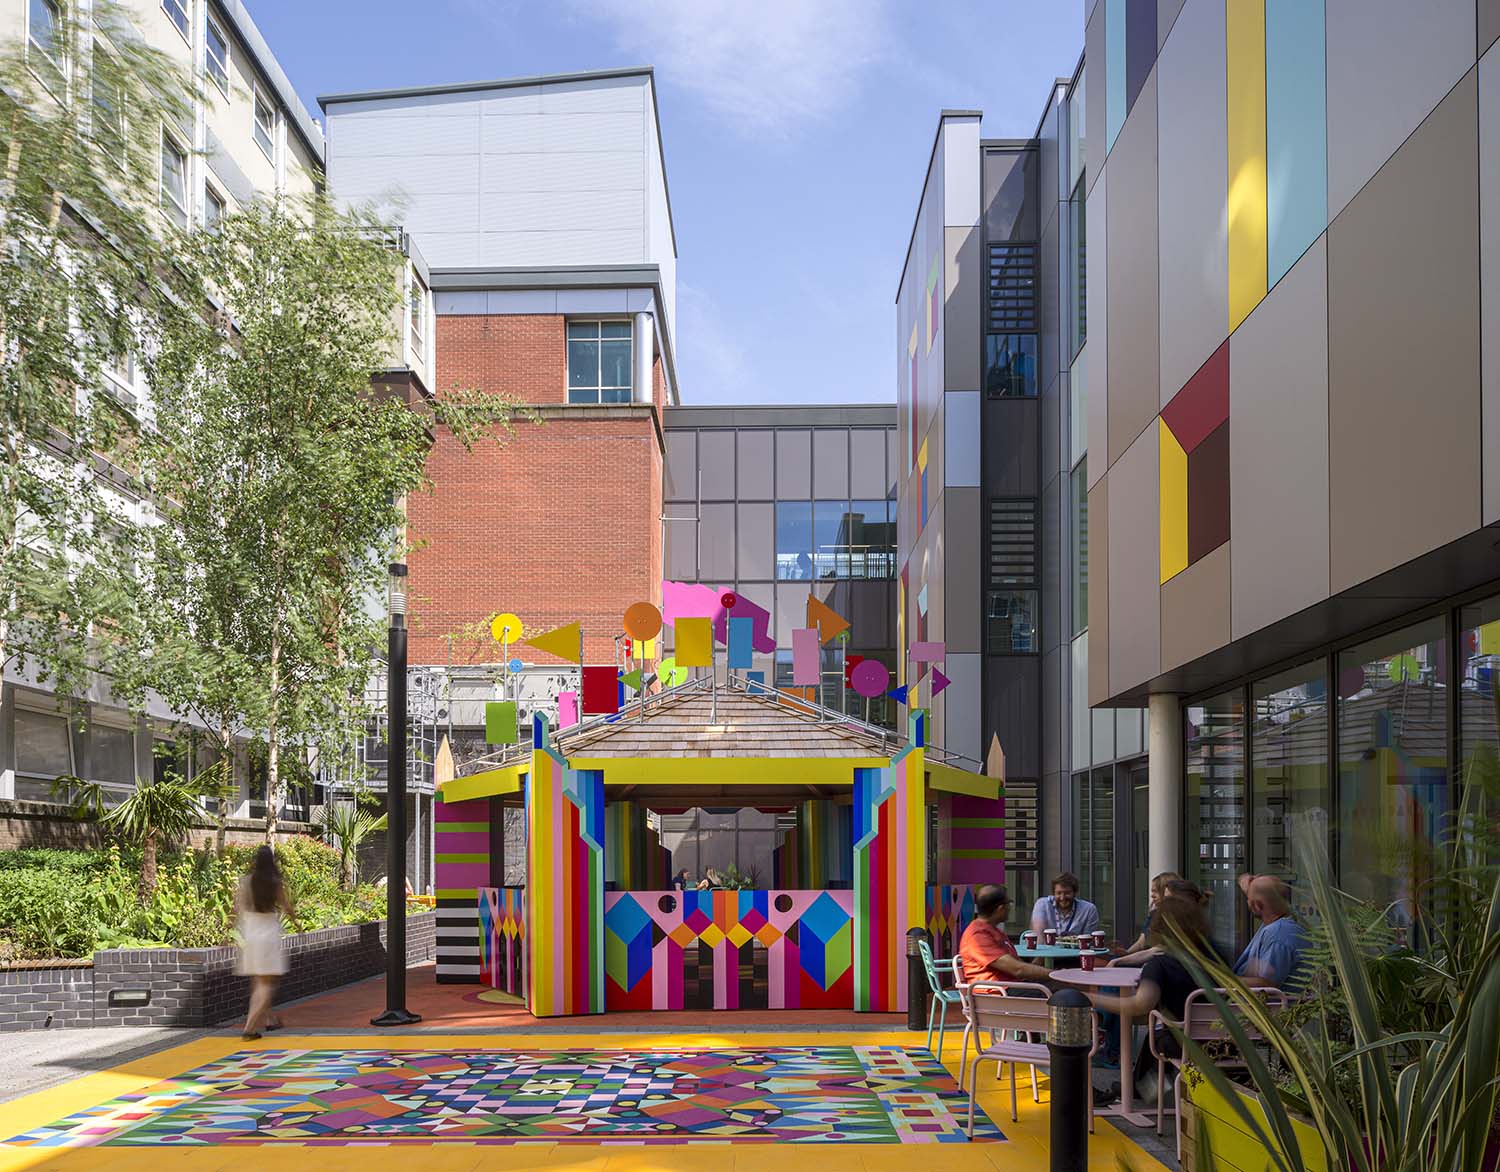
x=396 y=1013
x=916 y=980
x=1069 y=1039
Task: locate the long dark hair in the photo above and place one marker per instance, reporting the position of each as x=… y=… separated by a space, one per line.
x=1181 y=917
x=265 y=881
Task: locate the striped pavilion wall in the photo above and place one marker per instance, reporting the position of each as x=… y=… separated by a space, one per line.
x=462 y=865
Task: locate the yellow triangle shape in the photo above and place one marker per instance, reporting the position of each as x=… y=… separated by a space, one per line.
x=564 y=642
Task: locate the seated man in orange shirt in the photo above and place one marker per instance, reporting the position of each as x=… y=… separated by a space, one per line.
x=985 y=952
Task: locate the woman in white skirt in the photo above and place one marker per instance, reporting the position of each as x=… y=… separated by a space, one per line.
x=259 y=906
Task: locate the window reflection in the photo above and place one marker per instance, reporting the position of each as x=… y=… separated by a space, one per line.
x=1010 y=366
x=1393 y=780
x=1214 y=809
x=1289 y=751
x=1479 y=708
x=1011 y=622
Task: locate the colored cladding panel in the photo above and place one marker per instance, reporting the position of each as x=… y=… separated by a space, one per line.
x=461 y=867
x=1245 y=37
x=601 y=690
x=500 y=723
x=1174 y=503
x=379 y=1102
x=741 y=643
x=933 y=302
x=806 y=658
x=1115 y=69
x=565 y=888
x=1203 y=403
x=776 y=949
x=1296 y=132
x=950 y=909
x=1140 y=47
x=911 y=352
x=889 y=861
x=695 y=642
x=1208 y=492
x=977 y=851
x=502 y=938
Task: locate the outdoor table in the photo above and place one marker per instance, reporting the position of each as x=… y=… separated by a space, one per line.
x=1124 y=977
x=1056 y=952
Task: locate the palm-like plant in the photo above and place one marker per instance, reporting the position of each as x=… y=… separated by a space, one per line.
x=345 y=825
x=85 y=799
x=156 y=814
x=1425 y=1100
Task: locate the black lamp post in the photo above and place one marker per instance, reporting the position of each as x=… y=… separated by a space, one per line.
x=396 y=1013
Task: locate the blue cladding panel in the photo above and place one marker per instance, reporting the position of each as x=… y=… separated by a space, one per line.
x=1114 y=70
x=1296 y=132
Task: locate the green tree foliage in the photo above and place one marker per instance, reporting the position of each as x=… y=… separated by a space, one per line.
x=154 y=815
x=346 y=825
x=86 y=273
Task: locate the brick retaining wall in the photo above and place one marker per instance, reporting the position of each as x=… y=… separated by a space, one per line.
x=192 y=986
x=25 y=824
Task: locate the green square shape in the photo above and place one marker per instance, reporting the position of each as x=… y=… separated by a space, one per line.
x=500 y=723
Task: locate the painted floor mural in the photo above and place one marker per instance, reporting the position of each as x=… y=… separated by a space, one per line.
x=317 y=1098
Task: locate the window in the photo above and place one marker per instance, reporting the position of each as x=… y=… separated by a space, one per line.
x=872 y=539
x=263 y=115
x=107 y=110
x=43 y=746
x=1393 y=771
x=1214 y=813
x=177 y=13
x=1078 y=276
x=1289 y=759
x=119 y=379
x=598 y=362
x=1011 y=622
x=1080 y=543
x=418 y=315
x=43 y=27
x=111 y=754
x=1094 y=839
x=1010 y=366
x=794 y=533
x=216 y=60
x=830 y=539
x=213 y=207
x=173 y=193
x=1478 y=767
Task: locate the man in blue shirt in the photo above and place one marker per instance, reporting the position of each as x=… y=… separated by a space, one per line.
x=1063 y=911
x=1277 y=951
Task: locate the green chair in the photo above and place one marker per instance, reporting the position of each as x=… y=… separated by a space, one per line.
x=940 y=997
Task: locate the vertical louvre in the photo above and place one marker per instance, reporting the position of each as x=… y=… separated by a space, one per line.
x=1012 y=288
x=1020 y=825
x=1013 y=543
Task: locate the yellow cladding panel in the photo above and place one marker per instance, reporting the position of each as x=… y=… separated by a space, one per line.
x=1174 y=520
x=728 y=770
x=484 y=785
x=1245 y=36
x=960 y=781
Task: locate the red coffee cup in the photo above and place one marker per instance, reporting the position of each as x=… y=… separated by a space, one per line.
x=1028 y=939
x=1049 y=936
x=1098 y=939
x=1087 y=961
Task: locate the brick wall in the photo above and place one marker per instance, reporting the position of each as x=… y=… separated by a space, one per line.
x=194 y=986
x=560 y=524
x=26 y=825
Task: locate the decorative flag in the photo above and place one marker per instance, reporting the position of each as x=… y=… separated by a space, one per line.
x=741 y=640
x=805 y=655
x=500 y=723
x=505 y=628
x=642 y=620
x=695 y=642
x=850 y=663
x=601 y=691
x=760 y=619
x=563 y=642
x=632 y=680
x=757 y=681
x=829 y=622
x=688 y=600
x=898 y=694
x=939 y=681
x=871 y=678
x=567 y=709
x=927 y=652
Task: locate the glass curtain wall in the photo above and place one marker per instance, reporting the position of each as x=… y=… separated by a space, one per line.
x=1093 y=839
x=1478 y=764
x=1214 y=810
x=1289 y=767
x=1393 y=778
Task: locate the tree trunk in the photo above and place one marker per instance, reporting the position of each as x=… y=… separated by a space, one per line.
x=273 y=744
x=148 y=869
x=226 y=784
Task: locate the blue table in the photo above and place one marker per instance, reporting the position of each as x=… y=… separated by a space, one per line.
x=1056 y=952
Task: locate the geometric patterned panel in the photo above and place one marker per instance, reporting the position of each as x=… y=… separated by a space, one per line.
x=502 y=938
x=950 y=908
x=889 y=860
x=728 y=950
x=384 y=1098
x=1193 y=453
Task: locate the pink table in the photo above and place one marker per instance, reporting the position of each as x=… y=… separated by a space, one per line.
x=1125 y=977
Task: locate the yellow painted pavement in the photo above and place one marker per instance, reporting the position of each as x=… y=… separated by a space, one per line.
x=1026 y=1150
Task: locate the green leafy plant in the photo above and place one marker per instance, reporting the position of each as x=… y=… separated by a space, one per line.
x=85 y=800
x=156 y=813
x=346 y=825
x=1417 y=1101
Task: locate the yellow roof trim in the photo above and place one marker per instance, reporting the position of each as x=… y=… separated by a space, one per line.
x=490 y=783
x=960 y=781
x=728 y=770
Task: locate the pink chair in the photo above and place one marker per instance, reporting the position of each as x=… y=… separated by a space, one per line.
x=997 y=1008
x=1202 y=1022
x=961 y=986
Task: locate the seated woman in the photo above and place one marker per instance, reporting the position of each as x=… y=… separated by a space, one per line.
x=1181 y=917
x=1141 y=949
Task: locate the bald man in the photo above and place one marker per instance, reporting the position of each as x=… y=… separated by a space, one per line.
x=1277 y=951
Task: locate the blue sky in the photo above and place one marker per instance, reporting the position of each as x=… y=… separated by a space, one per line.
x=796 y=135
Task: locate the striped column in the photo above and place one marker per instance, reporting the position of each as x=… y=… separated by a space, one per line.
x=461 y=867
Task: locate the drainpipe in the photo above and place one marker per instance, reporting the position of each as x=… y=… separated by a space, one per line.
x=645 y=352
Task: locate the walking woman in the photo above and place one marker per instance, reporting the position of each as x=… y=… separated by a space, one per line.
x=259 y=906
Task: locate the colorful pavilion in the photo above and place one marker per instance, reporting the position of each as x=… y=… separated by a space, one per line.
x=597 y=926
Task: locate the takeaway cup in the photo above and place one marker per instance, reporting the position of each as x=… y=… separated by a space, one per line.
x=1098 y=939
x=1028 y=939
x=1087 y=961
x=1049 y=935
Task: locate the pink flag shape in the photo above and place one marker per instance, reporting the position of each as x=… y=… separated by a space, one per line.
x=805 y=656
x=567 y=709
x=939 y=681
x=926 y=652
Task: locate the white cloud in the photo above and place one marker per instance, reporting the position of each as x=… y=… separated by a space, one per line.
x=763 y=66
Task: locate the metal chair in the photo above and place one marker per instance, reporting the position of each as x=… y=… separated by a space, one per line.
x=1017 y=1008
x=941 y=997
x=961 y=987
x=1202 y=1022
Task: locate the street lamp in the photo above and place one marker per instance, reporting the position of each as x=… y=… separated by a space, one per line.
x=396 y=1012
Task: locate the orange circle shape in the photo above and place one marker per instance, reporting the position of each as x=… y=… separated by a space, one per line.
x=642 y=621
